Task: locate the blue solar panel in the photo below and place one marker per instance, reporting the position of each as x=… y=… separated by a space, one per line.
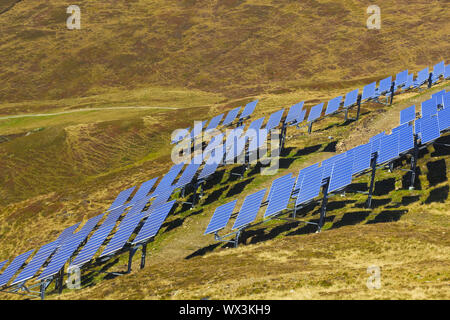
x=315 y=112
x=447 y=100
x=280 y=198
x=447 y=72
x=429 y=129
x=388 y=148
x=274 y=120
x=351 y=98
x=362 y=155
x=294 y=113
x=2 y=264
x=188 y=175
x=369 y=91
x=97 y=239
x=214 y=122
x=249 y=209
x=422 y=77
x=405 y=138
x=417 y=126
x=153 y=223
x=36 y=262
x=401 y=78
x=429 y=107
x=168 y=179
x=248 y=110
x=302 y=173
x=179 y=135
x=333 y=105
x=143 y=190
x=341 y=176
x=198 y=128
x=385 y=86
x=277 y=182
x=209 y=168
x=438 y=70
x=13 y=267
x=252 y=133
x=438 y=94
x=231 y=116
x=122 y=198
x=409 y=82
x=310 y=187
x=63 y=254
x=220 y=217
x=327 y=164
x=216 y=142
x=444 y=119
x=375 y=142
x=408 y=114
x=67 y=233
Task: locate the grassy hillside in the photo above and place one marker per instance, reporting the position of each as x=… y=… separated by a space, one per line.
x=203 y=58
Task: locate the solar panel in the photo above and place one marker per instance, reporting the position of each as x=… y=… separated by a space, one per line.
x=341 y=175
x=447 y=72
x=236 y=150
x=302 y=173
x=210 y=165
x=13 y=267
x=333 y=105
x=429 y=107
x=248 y=110
x=438 y=94
x=143 y=190
x=417 y=126
x=280 y=198
x=277 y=182
x=2 y=264
x=179 y=135
x=220 y=217
x=429 y=129
x=438 y=70
x=405 y=138
x=362 y=155
x=369 y=91
x=351 y=98
x=294 y=113
x=67 y=233
x=122 y=198
x=422 y=77
x=327 y=164
x=168 y=179
x=249 y=209
x=388 y=148
x=231 y=116
x=63 y=254
x=215 y=142
x=253 y=132
x=188 y=175
x=447 y=100
x=400 y=127
x=385 y=86
x=36 y=262
x=198 y=128
x=401 y=78
x=409 y=81
x=97 y=239
x=375 y=142
x=310 y=187
x=214 y=122
x=274 y=120
x=408 y=114
x=153 y=223
x=444 y=119
x=315 y=112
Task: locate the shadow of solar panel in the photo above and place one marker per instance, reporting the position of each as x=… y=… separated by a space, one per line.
x=310 y=187
x=280 y=198
x=274 y=120
x=388 y=148
x=362 y=156
x=369 y=91
x=231 y=116
x=444 y=119
x=429 y=129
x=36 y=263
x=63 y=254
x=315 y=112
x=405 y=138
x=214 y=122
x=341 y=175
x=401 y=78
x=153 y=223
x=249 y=209
x=122 y=198
x=143 y=190
x=385 y=86
x=408 y=114
x=351 y=98
x=294 y=113
x=429 y=107
x=96 y=240
x=13 y=267
x=333 y=105
x=248 y=110
x=220 y=217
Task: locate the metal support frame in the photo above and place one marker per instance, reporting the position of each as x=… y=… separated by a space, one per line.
x=236 y=235
x=414 y=159
x=373 y=165
x=131 y=252
x=283 y=136
x=310 y=127
x=392 y=93
x=323 y=209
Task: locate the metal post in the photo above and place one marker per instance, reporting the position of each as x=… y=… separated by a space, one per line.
x=430 y=81
x=359 y=107
x=43 y=287
x=310 y=127
x=236 y=239
x=414 y=159
x=392 y=92
x=323 y=210
x=130 y=259
x=144 y=252
x=283 y=136
x=372 y=180
x=60 y=280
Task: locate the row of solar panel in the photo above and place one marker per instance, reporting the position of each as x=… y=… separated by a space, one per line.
x=340 y=170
